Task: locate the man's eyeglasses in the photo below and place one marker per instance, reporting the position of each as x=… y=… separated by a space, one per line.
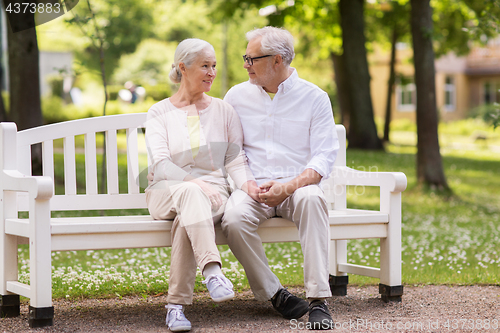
x=249 y=60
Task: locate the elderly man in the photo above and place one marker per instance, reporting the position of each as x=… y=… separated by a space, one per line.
x=291 y=145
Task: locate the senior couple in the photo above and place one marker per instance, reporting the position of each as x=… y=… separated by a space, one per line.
x=277 y=155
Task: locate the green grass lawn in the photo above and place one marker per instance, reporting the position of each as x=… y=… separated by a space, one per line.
x=446 y=239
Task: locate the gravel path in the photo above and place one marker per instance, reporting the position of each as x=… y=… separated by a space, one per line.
x=424 y=309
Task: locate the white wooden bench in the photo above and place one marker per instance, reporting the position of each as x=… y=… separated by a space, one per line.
x=20 y=191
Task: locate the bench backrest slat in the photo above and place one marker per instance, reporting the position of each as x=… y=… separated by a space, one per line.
x=90 y=128
x=69 y=165
x=132 y=161
x=48 y=158
x=90 y=164
x=112 y=162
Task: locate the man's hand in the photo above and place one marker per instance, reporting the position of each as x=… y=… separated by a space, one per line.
x=273 y=193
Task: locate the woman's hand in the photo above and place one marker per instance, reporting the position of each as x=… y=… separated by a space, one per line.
x=211 y=192
x=253 y=190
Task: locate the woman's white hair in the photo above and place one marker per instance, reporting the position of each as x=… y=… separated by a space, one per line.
x=186 y=52
x=274 y=41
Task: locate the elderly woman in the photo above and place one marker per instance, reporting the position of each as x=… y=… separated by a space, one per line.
x=194 y=141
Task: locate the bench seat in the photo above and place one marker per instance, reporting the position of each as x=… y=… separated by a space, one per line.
x=142 y=231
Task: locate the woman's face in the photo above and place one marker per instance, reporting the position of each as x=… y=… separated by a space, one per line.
x=201 y=74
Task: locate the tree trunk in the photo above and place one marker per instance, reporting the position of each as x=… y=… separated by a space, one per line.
x=390 y=85
x=342 y=91
x=3 y=112
x=429 y=162
x=362 y=129
x=25 y=108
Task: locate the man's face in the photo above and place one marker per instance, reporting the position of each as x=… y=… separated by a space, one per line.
x=261 y=72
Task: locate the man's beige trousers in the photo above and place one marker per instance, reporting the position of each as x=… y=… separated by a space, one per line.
x=307 y=208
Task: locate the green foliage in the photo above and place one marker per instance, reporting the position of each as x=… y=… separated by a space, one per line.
x=487 y=20
x=490 y=113
x=55 y=110
x=149 y=64
x=403 y=125
x=493 y=117
x=180 y=19
x=122 y=24
x=55 y=82
x=383 y=19
x=155 y=92
x=6 y=100
x=52 y=109
x=451 y=19
x=158 y=91
x=113 y=91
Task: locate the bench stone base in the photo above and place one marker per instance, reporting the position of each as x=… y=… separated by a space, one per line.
x=390 y=293
x=338 y=285
x=10 y=306
x=41 y=317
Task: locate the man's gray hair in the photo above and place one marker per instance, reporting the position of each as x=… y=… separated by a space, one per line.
x=186 y=52
x=274 y=41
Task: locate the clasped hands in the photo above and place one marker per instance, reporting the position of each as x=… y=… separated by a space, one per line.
x=271 y=193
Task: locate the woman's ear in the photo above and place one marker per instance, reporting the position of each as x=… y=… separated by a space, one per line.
x=182 y=67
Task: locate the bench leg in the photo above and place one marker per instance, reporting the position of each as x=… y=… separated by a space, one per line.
x=9 y=302
x=338 y=255
x=10 y=306
x=41 y=317
x=338 y=285
x=390 y=293
x=41 y=310
x=390 y=286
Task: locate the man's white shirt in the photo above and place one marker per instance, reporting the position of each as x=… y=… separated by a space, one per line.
x=288 y=134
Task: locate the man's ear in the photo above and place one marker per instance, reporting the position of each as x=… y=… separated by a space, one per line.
x=278 y=59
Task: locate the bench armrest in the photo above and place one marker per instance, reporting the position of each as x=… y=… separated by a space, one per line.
x=39 y=187
x=391 y=181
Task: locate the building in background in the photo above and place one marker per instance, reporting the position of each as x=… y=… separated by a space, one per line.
x=462 y=83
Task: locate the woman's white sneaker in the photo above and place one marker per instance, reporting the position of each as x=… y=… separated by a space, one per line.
x=219 y=287
x=176 y=321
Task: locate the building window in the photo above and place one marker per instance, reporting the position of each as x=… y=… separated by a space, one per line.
x=449 y=94
x=406 y=96
x=491 y=92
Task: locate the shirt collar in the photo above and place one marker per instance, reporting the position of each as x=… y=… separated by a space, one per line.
x=286 y=85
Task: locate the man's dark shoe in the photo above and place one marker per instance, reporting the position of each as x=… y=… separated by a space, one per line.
x=319 y=316
x=290 y=306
